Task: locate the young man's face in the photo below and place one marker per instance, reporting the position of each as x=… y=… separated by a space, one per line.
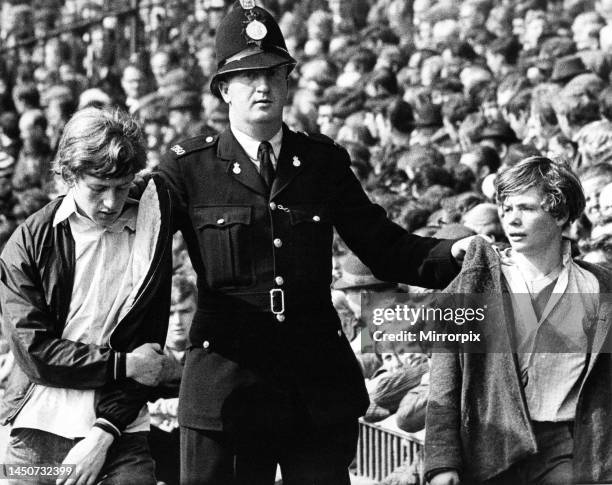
x=101 y=200
x=529 y=228
x=181 y=315
x=256 y=97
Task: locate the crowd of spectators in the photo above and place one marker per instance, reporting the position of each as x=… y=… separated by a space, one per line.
x=429 y=97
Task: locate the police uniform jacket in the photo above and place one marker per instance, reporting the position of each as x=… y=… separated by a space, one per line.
x=244 y=242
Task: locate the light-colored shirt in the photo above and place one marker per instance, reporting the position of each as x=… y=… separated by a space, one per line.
x=105 y=284
x=251 y=146
x=551 y=347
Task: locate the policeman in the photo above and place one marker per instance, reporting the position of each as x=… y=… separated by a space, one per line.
x=269 y=377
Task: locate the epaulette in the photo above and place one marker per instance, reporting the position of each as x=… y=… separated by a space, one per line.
x=191 y=145
x=320 y=138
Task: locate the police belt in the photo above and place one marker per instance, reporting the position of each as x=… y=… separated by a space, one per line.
x=276 y=301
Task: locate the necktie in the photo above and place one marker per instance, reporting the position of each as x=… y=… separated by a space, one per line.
x=266 y=169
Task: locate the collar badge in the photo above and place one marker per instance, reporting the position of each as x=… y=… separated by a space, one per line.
x=178 y=149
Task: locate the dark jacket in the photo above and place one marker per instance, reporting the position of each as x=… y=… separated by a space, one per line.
x=476 y=399
x=244 y=242
x=36 y=280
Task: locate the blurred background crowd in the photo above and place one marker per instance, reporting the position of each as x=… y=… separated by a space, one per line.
x=429 y=97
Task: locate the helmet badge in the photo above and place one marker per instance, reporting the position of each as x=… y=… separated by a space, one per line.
x=255 y=30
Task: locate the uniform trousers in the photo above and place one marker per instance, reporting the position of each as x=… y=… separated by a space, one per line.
x=307 y=455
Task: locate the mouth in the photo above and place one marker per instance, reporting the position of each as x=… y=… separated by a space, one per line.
x=263 y=102
x=515 y=236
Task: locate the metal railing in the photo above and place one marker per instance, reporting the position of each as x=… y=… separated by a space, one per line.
x=381 y=450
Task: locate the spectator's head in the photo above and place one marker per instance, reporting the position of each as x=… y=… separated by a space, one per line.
x=561 y=147
x=599 y=251
x=98 y=156
x=32 y=125
x=428 y=176
x=594 y=179
x=59 y=109
x=537 y=198
x=536 y=26
x=605 y=204
x=26 y=96
x=605 y=103
x=501 y=54
x=482 y=161
x=575 y=107
x=542 y=120
x=604 y=8
x=517 y=113
x=595 y=143
x=499 y=21
x=183 y=110
x=162 y=62
x=132 y=81
x=418 y=156
x=206 y=60
x=585 y=30
x=320 y=26
x=483 y=219
x=508 y=86
x=182 y=309
x=472 y=15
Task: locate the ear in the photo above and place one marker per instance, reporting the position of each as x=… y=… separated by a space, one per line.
x=561 y=221
x=223 y=89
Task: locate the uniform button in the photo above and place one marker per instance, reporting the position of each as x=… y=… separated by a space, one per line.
x=316 y=218
x=205 y=344
x=280 y=317
x=279 y=280
x=272 y=206
x=220 y=221
x=277 y=243
x=339 y=333
x=209 y=139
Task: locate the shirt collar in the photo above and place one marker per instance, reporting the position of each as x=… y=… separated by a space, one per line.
x=506 y=255
x=251 y=145
x=68 y=209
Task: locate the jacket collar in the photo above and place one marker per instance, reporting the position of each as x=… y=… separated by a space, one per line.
x=290 y=162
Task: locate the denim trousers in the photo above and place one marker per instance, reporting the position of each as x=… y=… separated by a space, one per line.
x=128 y=461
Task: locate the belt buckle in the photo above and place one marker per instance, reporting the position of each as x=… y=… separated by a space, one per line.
x=277 y=296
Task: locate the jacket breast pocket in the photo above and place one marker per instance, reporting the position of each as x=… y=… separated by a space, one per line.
x=225 y=239
x=311 y=240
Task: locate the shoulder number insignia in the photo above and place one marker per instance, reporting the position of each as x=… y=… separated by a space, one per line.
x=178 y=149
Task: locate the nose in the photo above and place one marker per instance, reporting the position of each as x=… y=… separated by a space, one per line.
x=262 y=82
x=109 y=201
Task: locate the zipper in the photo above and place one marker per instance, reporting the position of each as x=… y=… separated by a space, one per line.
x=22 y=403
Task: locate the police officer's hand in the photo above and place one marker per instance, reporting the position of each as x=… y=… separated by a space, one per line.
x=445 y=478
x=146 y=364
x=459 y=249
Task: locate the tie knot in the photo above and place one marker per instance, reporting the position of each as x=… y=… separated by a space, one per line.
x=264 y=147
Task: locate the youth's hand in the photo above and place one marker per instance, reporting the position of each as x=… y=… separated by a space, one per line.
x=88 y=456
